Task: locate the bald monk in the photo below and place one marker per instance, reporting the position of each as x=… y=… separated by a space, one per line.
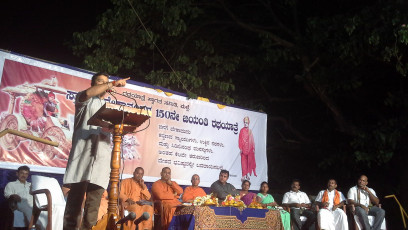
x=167 y=192
x=134 y=195
x=193 y=191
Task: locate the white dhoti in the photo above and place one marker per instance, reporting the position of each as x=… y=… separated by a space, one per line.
x=332 y=220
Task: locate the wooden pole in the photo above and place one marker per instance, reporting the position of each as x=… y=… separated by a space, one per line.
x=28 y=136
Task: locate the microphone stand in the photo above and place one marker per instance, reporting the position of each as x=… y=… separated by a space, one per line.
x=110 y=92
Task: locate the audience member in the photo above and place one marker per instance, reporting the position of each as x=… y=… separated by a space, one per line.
x=18 y=193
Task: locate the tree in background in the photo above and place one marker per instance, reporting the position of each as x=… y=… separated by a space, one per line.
x=330 y=74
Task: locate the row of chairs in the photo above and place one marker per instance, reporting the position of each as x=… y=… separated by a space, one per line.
x=356 y=224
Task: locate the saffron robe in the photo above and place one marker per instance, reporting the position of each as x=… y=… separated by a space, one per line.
x=168 y=195
x=130 y=189
x=190 y=193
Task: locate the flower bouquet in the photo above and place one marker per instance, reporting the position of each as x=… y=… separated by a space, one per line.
x=231 y=201
x=255 y=204
x=208 y=200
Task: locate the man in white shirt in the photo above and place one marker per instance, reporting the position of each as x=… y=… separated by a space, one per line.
x=362 y=197
x=330 y=201
x=299 y=205
x=18 y=193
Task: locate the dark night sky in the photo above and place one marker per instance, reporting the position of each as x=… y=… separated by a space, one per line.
x=42 y=29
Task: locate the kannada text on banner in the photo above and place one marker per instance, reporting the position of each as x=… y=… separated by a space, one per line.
x=189 y=136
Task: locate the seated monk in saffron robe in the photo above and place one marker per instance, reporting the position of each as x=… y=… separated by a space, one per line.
x=193 y=191
x=134 y=196
x=167 y=192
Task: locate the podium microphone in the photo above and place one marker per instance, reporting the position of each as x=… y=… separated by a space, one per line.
x=130 y=216
x=143 y=217
x=111 y=92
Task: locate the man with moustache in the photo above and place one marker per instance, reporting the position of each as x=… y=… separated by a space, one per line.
x=135 y=195
x=88 y=166
x=18 y=193
x=331 y=215
x=299 y=204
x=366 y=203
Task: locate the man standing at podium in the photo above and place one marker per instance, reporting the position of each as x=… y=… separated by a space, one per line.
x=88 y=166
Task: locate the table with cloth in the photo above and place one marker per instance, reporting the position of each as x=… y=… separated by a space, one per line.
x=211 y=217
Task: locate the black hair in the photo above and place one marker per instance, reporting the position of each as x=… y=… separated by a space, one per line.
x=332 y=179
x=260 y=187
x=224 y=171
x=296 y=180
x=243 y=182
x=24 y=167
x=93 y=79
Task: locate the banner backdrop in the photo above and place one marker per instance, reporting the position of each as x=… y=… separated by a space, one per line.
x=189 y=136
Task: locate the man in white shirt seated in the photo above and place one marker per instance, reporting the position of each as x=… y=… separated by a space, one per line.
x=330 y=201
x=18 y=193
x=299 y=205
x=362 y=197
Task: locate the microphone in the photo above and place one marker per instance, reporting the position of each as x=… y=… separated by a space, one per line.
x=111 y=92
x=143 y=217
x=130 y=216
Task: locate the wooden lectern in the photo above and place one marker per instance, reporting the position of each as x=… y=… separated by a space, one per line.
x=123 y=120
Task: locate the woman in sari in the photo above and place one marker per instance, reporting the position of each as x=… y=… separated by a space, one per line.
x=268 y=202
x=246 y=196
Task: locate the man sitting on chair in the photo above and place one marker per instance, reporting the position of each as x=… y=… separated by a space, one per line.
x=167 y=192
x=193 y=191
x=18 y=194
x=221 y=188
x=361 y=197
x=330 y=201
x=135 y=196
x=299 y=205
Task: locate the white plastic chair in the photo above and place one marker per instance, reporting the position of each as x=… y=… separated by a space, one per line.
x=370 y=221
x=49 y=200
x=359 y=226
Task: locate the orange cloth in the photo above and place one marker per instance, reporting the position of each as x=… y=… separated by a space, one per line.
x=130 y=189
x=168 y=195
x=190 y=193
x=336 y=200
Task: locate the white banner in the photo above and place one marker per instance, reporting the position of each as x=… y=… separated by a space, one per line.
x=189 y=136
